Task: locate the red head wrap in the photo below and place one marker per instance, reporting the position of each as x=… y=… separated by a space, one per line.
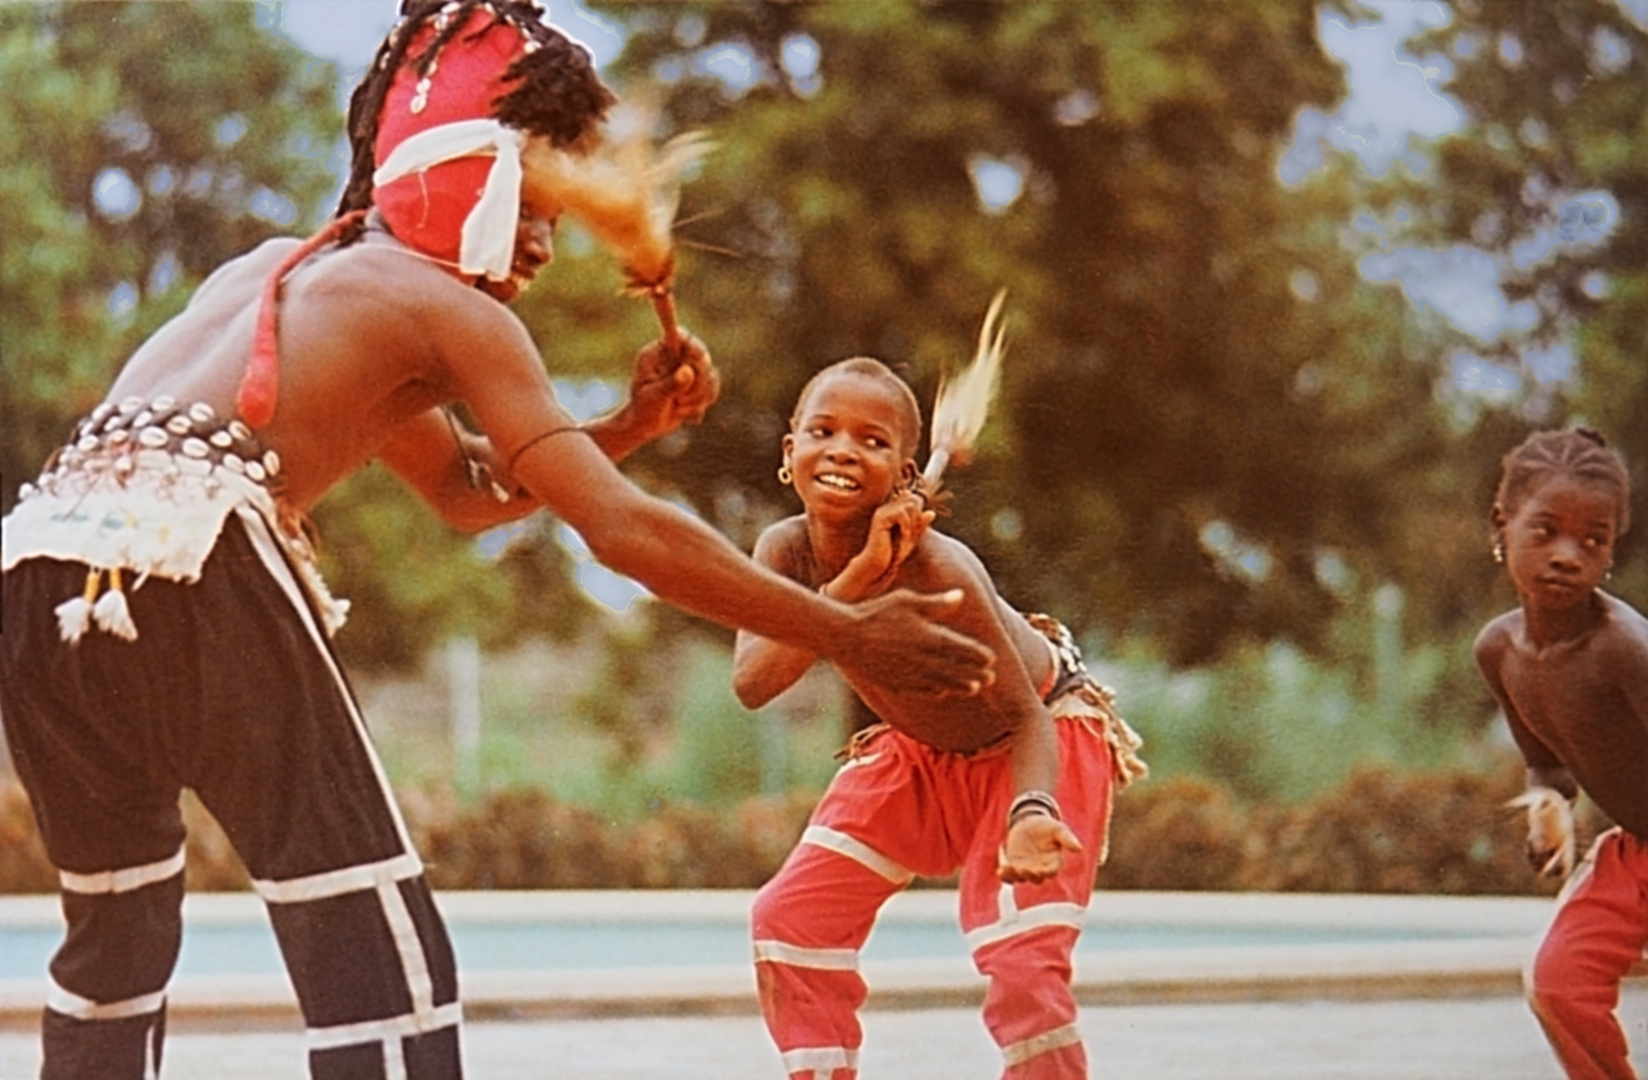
x=435 y=198
x=427 y=207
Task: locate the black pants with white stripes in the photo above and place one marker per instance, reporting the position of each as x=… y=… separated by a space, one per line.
x=232 y=690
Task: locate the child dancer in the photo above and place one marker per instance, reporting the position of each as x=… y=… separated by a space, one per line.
x=1012 y=787
x=1569 y=668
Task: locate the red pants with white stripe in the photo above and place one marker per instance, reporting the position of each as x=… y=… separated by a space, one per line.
x=1595 y=937
x=900 y=809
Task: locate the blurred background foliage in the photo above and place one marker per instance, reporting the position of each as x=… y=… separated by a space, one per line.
x=1253 y=476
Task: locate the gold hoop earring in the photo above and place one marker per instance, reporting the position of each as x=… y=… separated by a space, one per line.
x=784 y=474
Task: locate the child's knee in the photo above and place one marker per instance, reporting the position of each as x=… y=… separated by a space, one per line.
x=1557 y=981
x=769 y=909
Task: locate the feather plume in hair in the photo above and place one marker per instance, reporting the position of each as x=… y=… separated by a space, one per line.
x=963 y=402
x=625 y=191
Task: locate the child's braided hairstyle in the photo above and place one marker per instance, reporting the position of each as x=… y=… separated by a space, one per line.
x=560 y=95
x=1578 y=452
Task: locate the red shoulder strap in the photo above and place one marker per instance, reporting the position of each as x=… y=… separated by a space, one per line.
x=260 y=386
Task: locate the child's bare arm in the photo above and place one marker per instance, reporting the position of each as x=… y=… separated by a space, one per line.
x=761 y=667
x=1037 y=836
x=1551 y=788
x=895 y=532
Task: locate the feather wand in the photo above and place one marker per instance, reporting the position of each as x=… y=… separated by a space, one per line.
x=625 y=191
x=963 y=403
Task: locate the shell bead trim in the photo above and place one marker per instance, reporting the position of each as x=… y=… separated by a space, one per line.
x=162 y=435
x=158 y=450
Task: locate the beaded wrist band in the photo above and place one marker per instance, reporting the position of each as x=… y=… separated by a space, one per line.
x=1033 y=802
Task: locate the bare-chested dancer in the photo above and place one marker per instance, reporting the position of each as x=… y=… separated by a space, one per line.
x=164 y=625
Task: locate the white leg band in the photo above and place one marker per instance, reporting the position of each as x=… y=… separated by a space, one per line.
x=1022 y=921
x=399 y=1027
x=123 y=880
x=1020 y=1052
x=858 y=851
x=69 y=1004
x=340 y=882
x=777 y=952
x=820 y=1060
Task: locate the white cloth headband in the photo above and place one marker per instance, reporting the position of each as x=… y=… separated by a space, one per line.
x=488 y=245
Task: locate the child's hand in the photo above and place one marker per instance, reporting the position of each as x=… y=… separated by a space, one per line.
x=1034 y=850
x=1550 y=831
x=894 y=532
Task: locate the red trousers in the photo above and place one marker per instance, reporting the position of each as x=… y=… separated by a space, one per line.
x=1596 y=935
x=900 y=809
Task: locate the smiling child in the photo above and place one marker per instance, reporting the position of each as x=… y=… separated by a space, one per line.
x=1011 y=787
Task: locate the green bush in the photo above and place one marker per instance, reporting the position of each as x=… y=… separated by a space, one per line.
x=1381 y=831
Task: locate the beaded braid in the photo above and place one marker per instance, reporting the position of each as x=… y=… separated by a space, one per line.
x=1578 y=452
x=560 y=95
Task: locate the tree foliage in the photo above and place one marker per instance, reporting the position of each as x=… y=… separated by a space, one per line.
x=1550 y=178
x=140 y=145
x=1212 y=428
x=1200 y=392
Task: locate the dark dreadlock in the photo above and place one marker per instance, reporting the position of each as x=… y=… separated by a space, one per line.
x=560 y=96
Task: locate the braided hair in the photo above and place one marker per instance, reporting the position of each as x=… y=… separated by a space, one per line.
x=559 y=96
x=1578 y=452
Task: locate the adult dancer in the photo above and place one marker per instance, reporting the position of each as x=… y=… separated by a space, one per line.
x=164 y=624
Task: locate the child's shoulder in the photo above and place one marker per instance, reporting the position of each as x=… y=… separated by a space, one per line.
x=1625 y=635
x=1497 y=635
x=782 y=539
x=945 y=561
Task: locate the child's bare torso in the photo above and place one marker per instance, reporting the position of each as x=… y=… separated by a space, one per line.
x=937 y=564
x=1585 y=700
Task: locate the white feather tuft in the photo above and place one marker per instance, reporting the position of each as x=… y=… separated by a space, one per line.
x=114 y=615
x=74 y=618
x=1550 y=828
x=625 y=191
x=963 y=403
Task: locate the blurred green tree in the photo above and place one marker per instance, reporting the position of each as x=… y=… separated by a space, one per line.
x=1549 y=178
x=140 y=145
x=1202 y=399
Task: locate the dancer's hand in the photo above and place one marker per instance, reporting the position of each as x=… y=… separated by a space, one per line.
x=672 y=386
x=1034 y=849
x=896 y=642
